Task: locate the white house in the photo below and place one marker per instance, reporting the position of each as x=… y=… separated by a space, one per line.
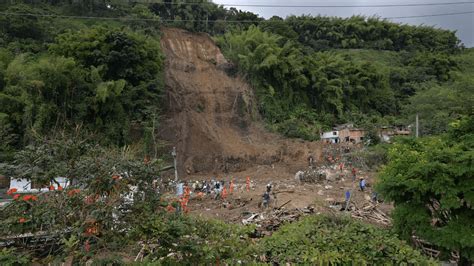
x=330 y=136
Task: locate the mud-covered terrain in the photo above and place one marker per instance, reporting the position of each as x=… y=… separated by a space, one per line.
x=210 y=114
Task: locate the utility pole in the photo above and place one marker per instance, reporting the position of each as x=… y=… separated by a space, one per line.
x=417 y=126
x=173 y=153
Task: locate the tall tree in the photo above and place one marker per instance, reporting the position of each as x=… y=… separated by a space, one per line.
x=431 y=182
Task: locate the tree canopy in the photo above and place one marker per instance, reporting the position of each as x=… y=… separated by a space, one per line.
x=431 y=184
x=103 y=78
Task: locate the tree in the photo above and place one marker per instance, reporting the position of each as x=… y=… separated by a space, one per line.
x=431 y=182
x=95 y=205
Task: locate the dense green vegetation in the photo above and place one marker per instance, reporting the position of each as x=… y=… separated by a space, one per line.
x=105 y=78
x=431 y=183
x=306 y=70
x=314 y=89
x=369 y=33
x=79 y=97
x=325 y=240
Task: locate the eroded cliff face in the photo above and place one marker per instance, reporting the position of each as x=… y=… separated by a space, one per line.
x=209 y=114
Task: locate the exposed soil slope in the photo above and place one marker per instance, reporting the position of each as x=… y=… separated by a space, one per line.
x=209 y=113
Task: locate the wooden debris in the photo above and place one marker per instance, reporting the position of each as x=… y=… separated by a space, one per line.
x=370 y=212
x=267 y=222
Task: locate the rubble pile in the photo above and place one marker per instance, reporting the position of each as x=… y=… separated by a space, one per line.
x=318 y=175
x=268 y=222
x=311 y=176
x=369 y=211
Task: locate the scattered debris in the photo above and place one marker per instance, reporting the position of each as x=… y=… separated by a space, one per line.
x=370 y=212
x=311 y=176
x=271 y=221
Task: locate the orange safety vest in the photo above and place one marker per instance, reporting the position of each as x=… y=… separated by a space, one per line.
x=184 y=204
x=231 y=187
x=224 y=193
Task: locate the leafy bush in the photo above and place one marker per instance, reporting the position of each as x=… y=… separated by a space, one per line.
x=332 y=240
x=13 y=257
x=194 y=240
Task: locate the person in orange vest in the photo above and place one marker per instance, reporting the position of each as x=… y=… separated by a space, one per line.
x=200 y=195
x=354 y=172
x=187 y=191
x=248 y=183
x=184 y=204
x=231 y=186
x=224 y=193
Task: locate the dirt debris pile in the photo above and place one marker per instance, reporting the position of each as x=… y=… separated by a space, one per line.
x=210 y=115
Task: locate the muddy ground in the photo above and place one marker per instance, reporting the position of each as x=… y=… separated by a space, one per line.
x=212 y=121
x=320 y=197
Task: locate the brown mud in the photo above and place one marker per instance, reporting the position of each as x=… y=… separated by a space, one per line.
x=212 y=121
x=211 y=117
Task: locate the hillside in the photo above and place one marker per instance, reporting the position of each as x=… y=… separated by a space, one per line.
x=211 y=117
x=95 y=94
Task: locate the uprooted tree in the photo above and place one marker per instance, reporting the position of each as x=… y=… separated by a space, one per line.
x=431 y=183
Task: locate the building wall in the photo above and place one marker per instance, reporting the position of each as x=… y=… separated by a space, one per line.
x=352 y=135
x=330 y=134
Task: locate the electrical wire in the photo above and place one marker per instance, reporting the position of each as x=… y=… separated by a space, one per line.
x=328 y=6
x=433 y=15
x=202 y=20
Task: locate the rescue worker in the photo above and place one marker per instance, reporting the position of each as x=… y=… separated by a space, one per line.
x=187 y=191
x=217 y=190
x=354 y=171
x=269 y=187
x=310 y=161
x=266 y=199
x=362 y=184
x=184 y=204
x=348 y=197
x=231 y=186
x=224 y=193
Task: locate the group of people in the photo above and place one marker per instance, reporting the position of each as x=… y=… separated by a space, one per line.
x=219 y=189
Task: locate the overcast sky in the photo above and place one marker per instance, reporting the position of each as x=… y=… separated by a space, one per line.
x=463 y=24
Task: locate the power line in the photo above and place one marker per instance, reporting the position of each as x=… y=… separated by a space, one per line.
x=433 y=15
x=334 y=6
x=322 y=6
x=201 y=20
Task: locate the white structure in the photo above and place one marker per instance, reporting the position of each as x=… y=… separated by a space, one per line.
x=330 y=136
x=23 y=185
